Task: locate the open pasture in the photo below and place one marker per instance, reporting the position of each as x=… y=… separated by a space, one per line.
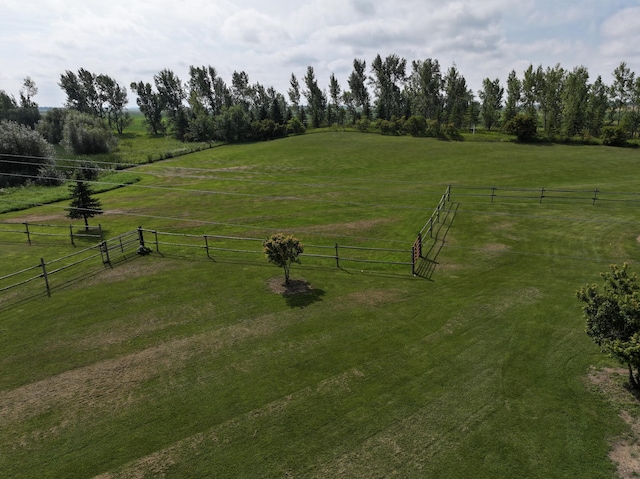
x=179 y=365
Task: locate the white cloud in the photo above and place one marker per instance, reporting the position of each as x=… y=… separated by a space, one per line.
x=133 y=40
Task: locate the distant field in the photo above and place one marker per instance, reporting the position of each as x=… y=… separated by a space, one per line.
x=177 y=365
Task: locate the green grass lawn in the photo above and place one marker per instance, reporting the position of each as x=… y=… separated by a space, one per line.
x=177 y=365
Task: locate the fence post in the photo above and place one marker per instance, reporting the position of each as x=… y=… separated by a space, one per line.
x=141 y=237
x=493 y=193
x=413 y=260
x=206 y=246
x=541 y=195
x=100 y=231
x=104 y=248
x=155 y=233
x=337 y=258
x=431 y=227
x=595 y=196
x=26 y=227
x=449 y=193
x=71 y=234
x=121 y=245
x=44 y=275
x=420 y=245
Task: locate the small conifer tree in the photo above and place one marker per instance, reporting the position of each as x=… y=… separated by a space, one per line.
x=83 y=205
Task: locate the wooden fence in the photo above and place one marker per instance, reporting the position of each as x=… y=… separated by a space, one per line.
x=32 y=230
x=162 y=241
x=144 y=240
x=106 y=252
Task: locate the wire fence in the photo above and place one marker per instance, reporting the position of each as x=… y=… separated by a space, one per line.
x=594 y=196
x=417 y=250
x=106 y=253
x=30 y=231
x=214 y=245
x=142 y=240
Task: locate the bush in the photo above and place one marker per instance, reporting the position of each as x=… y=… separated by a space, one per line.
x=394 y=126
x=523 y=126
x=51 y=126
x=451 y=131
x=295 y=126
x=84 y=134
x=28 y=149
x=614 y=136
x=416 y=126
x=49 y=175
x=266 y=130
x=363 y=125
x=433 y=128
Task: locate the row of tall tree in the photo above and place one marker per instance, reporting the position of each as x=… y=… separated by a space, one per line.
x=562 y=103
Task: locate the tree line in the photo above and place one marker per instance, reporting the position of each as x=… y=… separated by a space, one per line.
x=396 y=97
x=391 y=95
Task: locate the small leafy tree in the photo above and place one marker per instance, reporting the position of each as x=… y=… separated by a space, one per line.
x=283 y=250
x=83 y=204
x=613 y=317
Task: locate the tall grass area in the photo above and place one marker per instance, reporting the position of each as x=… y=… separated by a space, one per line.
x=177 y=365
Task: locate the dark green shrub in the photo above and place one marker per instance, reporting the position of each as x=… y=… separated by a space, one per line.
x=523 y=126
x=614 y=136
x=295 y=126
x=363 y=125
x=416 y=125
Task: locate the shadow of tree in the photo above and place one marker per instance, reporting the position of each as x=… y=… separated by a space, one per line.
x=299 y=294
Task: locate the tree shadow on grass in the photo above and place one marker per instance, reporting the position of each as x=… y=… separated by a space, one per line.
x=298 y=293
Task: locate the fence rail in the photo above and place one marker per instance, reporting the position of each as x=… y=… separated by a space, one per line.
x=107 y=251
x=594 y=196
x=37 y=229
x=206 y=242
x=139 y=240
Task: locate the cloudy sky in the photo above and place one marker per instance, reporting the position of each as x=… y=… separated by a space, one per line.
x=270 y=39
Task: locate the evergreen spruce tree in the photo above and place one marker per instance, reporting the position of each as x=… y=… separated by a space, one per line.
x=83 y=205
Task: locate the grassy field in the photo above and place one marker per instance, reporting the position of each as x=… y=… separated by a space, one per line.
x=176 y=365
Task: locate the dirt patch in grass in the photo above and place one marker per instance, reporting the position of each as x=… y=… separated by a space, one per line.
x=361 y=225
x=496 y=247
x=127 y=271
x=373 y=297
x=46 y=219
x=625 y=451
x=114 y=384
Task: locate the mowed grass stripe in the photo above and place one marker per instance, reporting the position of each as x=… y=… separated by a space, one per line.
x=480 y=372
